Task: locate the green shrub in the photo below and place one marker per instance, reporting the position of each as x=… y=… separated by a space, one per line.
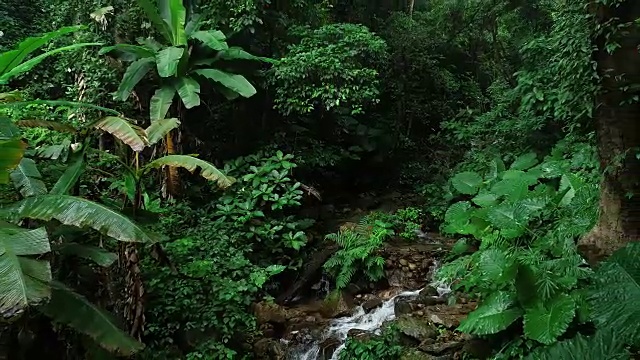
x=384 y=347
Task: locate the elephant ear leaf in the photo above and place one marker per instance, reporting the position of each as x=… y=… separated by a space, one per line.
x=23 y=280
x=190 y=163
x=73 y=309
x=81 y=213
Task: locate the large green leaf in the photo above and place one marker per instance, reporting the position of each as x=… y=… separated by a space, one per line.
x=29 y=64
x=467 y=182
x=174 y=15
x=135 y=72
x=27 y=179
x=127 y=52
x=11 y=152
x=167 y=61
x=495 y=314
x=22 y=280
x=615 y=294
x=159 y=128
x=237 y=83
x=152 y=14
x=125 y=131
x=73 y=309
x=161 y=102
x=546 y=322
x=98 y=255
x=524 y=162
x=604 y=345
x=188 y=90
x=11 y=59
x=190 y=163
x=70 y=176
x=237 y=53
x=213 y=39
x=79 y=212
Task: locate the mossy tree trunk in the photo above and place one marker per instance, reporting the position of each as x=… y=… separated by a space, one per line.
x=618 y=132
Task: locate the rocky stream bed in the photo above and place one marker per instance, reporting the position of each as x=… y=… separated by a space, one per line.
x=424 y=313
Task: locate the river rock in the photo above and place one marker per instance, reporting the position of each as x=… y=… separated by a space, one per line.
x=328 y=347
x=372 y=303
x=269 y=313
x=429 y=291
x=269 y=349
x=414 y=354
x=337 y=305
x=478 y=348
x=448 y=316
x=359 y=334
x=402 y=307
x=439 y=348
x=417 y=328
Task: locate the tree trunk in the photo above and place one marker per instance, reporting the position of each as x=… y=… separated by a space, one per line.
x=618 y=130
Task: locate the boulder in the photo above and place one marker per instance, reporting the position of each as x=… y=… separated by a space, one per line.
x=269 y=349
x=402 y=307
x=359 y=334
x=372 y=303
x=417 y=328
x=448 y=316
x=269 y=313
x=337 y=305
x=439 y=348
x=328 y=347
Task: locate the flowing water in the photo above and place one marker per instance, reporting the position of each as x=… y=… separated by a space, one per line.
x=338 y=328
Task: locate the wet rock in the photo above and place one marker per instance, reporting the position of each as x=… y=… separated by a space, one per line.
x=477 y=348
x=417 y=328
x=269 y=349
x=359 y=334
x=429 y=291
x=414 y=354
x=371 y=304
x=402 y=307
x=438 y=348
x=337 y=305
x=269 y=313
x=328 y=347
x=448 y=316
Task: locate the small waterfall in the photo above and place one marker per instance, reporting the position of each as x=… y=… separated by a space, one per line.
x=338 y=328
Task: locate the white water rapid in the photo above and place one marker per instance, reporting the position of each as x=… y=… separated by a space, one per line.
x=338 y=328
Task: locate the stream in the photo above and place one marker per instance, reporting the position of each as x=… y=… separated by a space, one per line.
x=361 y=320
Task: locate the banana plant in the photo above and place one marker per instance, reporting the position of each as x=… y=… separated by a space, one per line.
x=183 y=56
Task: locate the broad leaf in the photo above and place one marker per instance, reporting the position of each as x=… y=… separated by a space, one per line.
x=98 y=255
x=135 y=72
x=51 y=125
x=159 y=128
x=167 y=61
x=604 y=345
x=546 y=322
x=495 y=314
x=127 y=52
x=190 y=163
x=524 y=162
x=467 y=182
x=29 y=64
x=53 y=152
x=161 y=102
x=174 y=15
x=237 y=53
x=75 y=310
x=79 y=212
x=234 y=82
x=12 y=151
x=27 y=179
x=125 y=131
x=70 y=176
x=151 y=11
x=189 y=91
x=22 y=280
x=213 y=39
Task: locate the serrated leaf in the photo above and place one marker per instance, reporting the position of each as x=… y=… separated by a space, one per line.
x=525 y=161
x=234 y=82
x=27 y=179
x=546 y=322
x=160 y=128
x=495 y=314
x=190 y=163
x=125 y=131
x=79 y=212
x=75 y=310
x=467 y=182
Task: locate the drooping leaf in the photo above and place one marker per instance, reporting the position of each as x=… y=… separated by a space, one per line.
x=237 y=53
x=467 y=182
x=127 y=52
x=56 y=151
x=546 y=322
x=495 y=314
x=98 y=255
x=8 y=130
x=190 y=163
x=174 y=15
x=79 y=212
x=234 y=82
x=213 y=39
x=75 y=310
x=153 y=15
x=70 y=176
x=159 y=128
x=29 y=64
x=12 y=151
x=125 y=131
x=604 y=345
x=524 y=162
x=51 y=125
x=27 y=179
x=23 y=281
x=161 y=102
x=135 y=72
x=188 y=90
x=167 y=61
